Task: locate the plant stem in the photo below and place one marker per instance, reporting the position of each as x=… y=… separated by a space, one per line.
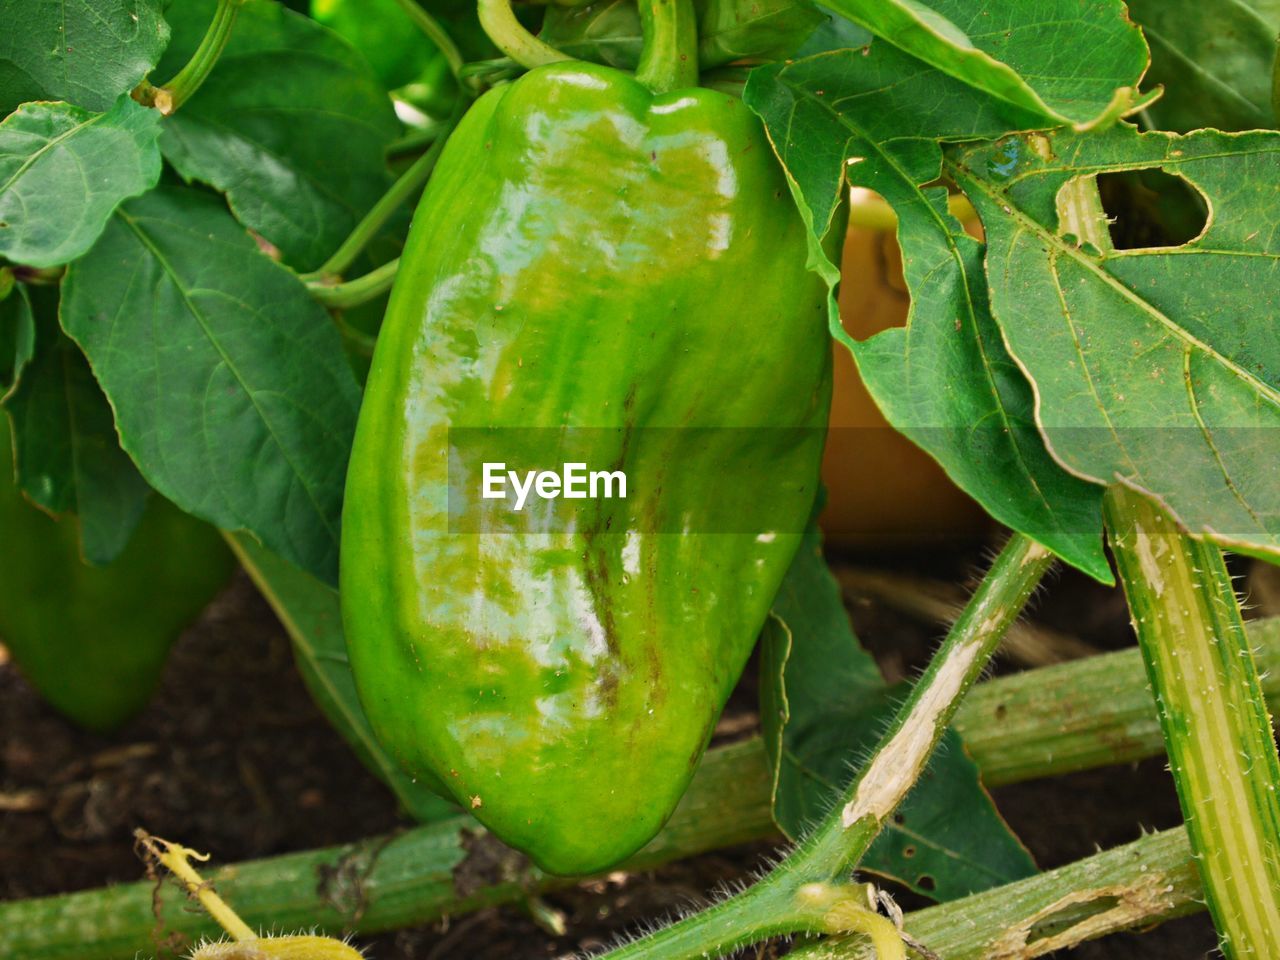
x=1076 y=710
x=1128 y=887
x=1079 y=715
x=380 y=883
x=436 y=33
x=1216 y=727
x=509 y=35
x=188 y=80
x=669 y=59
x=775 y=905
x=406 y=186
x=341 y=296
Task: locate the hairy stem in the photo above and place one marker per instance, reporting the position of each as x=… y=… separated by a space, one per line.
x=341 y=296
x=1216 y=727
x=509 y=35
x=404 y=189
x=1128 y=887
x=187 y=81
x=776 y=905
x=669 y=60
x=1075 y=710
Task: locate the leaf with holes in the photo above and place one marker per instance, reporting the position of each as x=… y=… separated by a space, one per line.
x=291 y=124
x=63 y=171
x=1157 y=368
x=1028 y=55
x=231 y=390
x=823 y=705
x=87 y=52
x=1214 y=60
x=67 y=456
x=945 y=381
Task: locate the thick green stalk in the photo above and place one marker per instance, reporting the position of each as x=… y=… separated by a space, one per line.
x=509 y=35
x=341 y=296
x=407 y=185
x=382 y=883
x=777 y=904
x=1128 y=887
x=1076 y=710
x=1216 y=727
x=1080 y=715
x=669 y=60
x=436 y=33
x=188 y=80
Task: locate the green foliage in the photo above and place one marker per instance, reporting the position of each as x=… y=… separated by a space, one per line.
x=1215 y=61
x=86 y=52
x=63 y=171
x=383 y=33
x=1027 y=55
x=291 y=124
x=17 y=334
x=67 y=456
x=230 y=386
x=946 y=380
x=823 y=705
x=1159 y=367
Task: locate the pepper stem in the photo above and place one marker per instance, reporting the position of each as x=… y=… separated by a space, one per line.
x=509 y=35
x=669 y=60
x=188 y=80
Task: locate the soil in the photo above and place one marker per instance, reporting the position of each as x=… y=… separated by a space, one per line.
x=232 y=758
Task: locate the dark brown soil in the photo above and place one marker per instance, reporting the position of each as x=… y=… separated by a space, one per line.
x=233 y=758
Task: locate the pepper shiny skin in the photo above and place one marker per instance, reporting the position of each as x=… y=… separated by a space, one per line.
x=587 y=255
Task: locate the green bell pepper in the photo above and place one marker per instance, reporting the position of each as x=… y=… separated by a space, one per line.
x=93 y=640
x=596 y=270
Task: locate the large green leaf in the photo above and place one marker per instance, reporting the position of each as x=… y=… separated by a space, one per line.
x=946 y=380
x=1071 y=61
x=291 y=124
x=1158 y=368
x=824 y=705
x=1215 y=61
x=87 y=52
x=63 y=171
x=310 y=613
x=231 y=390
x=68 y=459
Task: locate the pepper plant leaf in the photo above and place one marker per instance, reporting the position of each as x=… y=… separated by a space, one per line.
x=945 y=380
x=63 y=170
x=1214 y=60
x=87 y=52
x=67 y=456
x=291 y=124
x=231 y=390
x=1028 y=55
x=824 y=704
x=310 y=613
x=1159 y=367
x=17 y=336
